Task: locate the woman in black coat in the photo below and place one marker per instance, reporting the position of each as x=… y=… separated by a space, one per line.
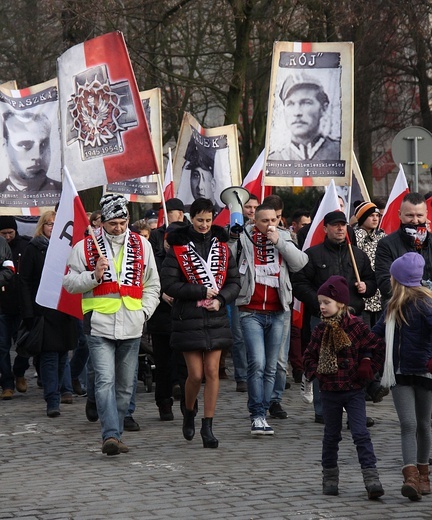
x=201 y=276
x=60 y=333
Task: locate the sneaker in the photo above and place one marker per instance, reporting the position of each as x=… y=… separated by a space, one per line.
x=130 y=425
x=257 y=427
x=21 y=384
x=306 y=390
x=268 y=430
x=241 y=386
x=7 y=394
x=276 y=411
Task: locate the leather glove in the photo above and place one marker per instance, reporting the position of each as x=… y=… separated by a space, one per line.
x=429 y=365
x=365 y=371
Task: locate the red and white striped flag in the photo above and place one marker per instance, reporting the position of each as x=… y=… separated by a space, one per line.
x=167 y=190
x=390 y=220
x=69 y=227
x=253 y=182
x=105 y=137
x=315 y=236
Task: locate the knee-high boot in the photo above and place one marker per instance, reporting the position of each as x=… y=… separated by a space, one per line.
x=209 y=440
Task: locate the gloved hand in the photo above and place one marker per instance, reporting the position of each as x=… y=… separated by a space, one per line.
x=429 y=365
x=365 y=371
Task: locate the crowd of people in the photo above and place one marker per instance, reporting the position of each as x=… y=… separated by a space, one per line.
x=200 y=291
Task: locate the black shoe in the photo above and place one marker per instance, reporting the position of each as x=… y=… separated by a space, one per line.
x=209 y=440
x=297 y=375
x=319 y=419
x=165 y=410
x=378 y=395
x=91 y=411
x=176 y=392
x=188 y=424
x=287 y=385
x=53 y=412
x=76 y=387
x=241 y=386
x=276 y=411
x=130 y=425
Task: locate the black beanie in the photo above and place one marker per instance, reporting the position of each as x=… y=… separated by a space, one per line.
x=8 y=222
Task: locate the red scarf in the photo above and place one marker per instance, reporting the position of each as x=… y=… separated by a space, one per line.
x=267 y=260
x=130 y=283
x=211 y=272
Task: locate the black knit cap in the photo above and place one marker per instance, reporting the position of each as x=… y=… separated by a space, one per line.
x=8 y=222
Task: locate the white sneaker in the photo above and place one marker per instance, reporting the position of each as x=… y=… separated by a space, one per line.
x=268 y=430
x=306 y=390
x=257 y=427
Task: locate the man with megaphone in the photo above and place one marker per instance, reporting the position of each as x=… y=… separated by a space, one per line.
x=266 y=254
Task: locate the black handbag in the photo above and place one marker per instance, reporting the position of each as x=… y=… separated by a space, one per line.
x=29 y=341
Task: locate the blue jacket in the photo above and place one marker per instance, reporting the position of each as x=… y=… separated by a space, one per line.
x=412 y=346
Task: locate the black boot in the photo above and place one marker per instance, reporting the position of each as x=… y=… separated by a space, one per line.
x=189 y=424
x=330 y=481
x=209 y=440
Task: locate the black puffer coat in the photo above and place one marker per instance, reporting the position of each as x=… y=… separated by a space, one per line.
x=195 y=328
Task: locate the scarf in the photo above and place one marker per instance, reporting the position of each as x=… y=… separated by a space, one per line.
x=388 y=379
x=266 y=260
x=417 y=233
x=334 y=340
x=128 y=282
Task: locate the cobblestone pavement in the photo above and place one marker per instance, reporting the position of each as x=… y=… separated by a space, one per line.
x=53 y=469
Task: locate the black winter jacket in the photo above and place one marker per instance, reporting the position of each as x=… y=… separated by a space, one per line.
x=393 y=246
x=9 y=297
x=329 y=259
x=60 y=330
x=195 y=328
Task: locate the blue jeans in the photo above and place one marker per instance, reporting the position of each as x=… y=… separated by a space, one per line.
x=66 y=382
x=80 y=354
x=132 y=403
x=354 y=403
x=238 y=350
x=282 y=363
x=8 y=329
x=114 y=363
x=52 y=366
x=262 y=335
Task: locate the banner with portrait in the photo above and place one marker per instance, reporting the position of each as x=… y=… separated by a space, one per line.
x=310 y=116
x=30 y=158
x=206 y=162
x=146 y=189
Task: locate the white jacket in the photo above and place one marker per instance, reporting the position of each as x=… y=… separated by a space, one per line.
x=125 y=323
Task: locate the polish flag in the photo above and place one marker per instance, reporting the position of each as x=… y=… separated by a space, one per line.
x=390 y=220
x=104 y=132
x=253 y=182
x=429 y=208
x=70 y=225
x=167 y=190
x=315 y=236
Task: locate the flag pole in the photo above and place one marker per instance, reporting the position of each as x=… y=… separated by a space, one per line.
x=91 y=233
x=351 y=252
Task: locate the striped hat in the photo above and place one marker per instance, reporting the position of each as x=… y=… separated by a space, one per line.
x=365 y=210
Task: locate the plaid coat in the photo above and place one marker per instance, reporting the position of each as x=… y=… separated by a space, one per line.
x=364 y=343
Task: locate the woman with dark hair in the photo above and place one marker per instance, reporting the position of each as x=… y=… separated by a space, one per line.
x=201 y=276
x=60 y=333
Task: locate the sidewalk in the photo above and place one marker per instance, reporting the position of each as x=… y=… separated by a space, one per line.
x=53 y=469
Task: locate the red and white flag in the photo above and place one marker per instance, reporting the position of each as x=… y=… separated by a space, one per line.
x=105 y=137
x=167 y=190
x=69 y=227
x=315 y=236
x=253 y=182
x=390 y=220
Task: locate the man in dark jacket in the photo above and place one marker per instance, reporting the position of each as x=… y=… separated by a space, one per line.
x=412 y=236
x=332 y=257
x=10 y=314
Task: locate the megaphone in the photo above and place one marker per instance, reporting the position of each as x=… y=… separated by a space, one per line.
x=234 y=198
